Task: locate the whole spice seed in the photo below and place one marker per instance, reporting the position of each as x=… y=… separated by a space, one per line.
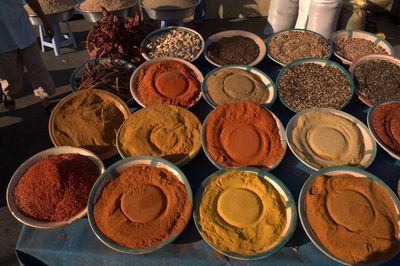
x=377 y=80
x=175 y=43
x=111 y=5
x=354 y=48
x=311 y=85
x=51 y=6
x=171 y=4
x=289 y=46
x=113 y=76
x=233 y=50
x=56 y=188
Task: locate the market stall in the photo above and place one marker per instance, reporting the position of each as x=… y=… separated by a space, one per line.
x=271 y=214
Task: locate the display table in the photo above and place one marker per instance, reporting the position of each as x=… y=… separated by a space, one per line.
x=75 y=244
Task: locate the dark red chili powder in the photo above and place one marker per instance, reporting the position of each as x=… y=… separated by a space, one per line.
x=56 y=188
x=386 y=124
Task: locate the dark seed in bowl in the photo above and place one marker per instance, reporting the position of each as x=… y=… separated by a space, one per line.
x=233 y=50
x=289 y=46
x=310 y=85
x=354 y=48
x=377 y=80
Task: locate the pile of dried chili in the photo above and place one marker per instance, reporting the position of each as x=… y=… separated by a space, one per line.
x=118 y=37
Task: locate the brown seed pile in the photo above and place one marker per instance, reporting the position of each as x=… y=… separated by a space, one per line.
x=51 y=6
x=354 y=48
x=289 y=46
x=169 y=3
x=377 y=80
x=110 y=5
x=311 y=85
x=235 y=50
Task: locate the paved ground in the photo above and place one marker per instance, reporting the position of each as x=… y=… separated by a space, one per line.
x=24 y=131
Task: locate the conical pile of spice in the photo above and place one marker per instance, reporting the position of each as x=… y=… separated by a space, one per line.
x=56 y=188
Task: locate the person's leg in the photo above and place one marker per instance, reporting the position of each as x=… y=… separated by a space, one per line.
x=10 y=77
x=42 y=82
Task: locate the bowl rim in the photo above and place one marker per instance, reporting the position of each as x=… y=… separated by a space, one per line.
x=135 y=74
x=390 y=58
x=179 y=28
x=180 y=163
x=350 y=35
x=282 y=135
x=111 y=173
x=119 y=103
x=354 y=171
x=94 y=61
x=372 y=130
x=277 y=184
x=24 y=166
x=76 y=7
x=269 y=39
x=319 y=61
x=250 y=69
x=360 y=125
x=260 y=43
x=163 y=9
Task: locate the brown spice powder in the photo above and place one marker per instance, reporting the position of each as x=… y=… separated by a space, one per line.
x=142 y=207
x=354 y=218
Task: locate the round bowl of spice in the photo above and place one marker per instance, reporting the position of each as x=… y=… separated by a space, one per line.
x=169 y=9
x=243 y=134
x=238 y=83
x=167 y=80
x=314 y=83
x=350 y=215
x=245 y=213
x=108 y=74
x=350 y=45
x=162 y=130
x=139 y=205
x=55 y=11
x=52 y=187
x=179 y=42
x=324 y=137
x=92 y=10
x=287 y=46
x=88 y=119
x=235 y=47
x=377 y=78
x=384 y=124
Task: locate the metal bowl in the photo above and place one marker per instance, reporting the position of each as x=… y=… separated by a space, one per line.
x=26 y=165
x=348 y=34
x=96 y=16
x=53 y=18
x=169 y=12
x=286 y=196
x=115 y=170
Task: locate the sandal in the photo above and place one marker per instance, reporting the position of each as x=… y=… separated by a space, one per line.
x=9 y=102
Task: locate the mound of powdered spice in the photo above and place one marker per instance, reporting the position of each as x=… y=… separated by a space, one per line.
x=235 y=50
x=56 y=188
x=142 y=207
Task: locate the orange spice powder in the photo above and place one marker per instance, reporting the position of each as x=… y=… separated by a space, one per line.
x=243 y=134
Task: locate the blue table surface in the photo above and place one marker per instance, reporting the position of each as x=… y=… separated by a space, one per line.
x=76 y=244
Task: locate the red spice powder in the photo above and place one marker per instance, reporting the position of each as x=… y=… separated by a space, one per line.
x=56 y=188
x=386 y=124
